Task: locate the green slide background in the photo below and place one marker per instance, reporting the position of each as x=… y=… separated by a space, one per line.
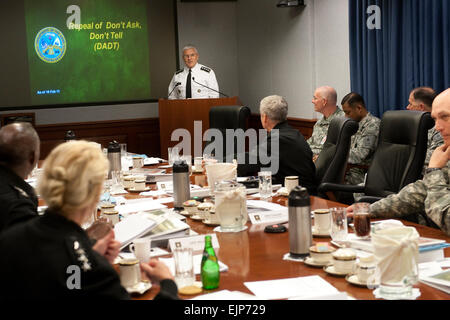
x=84 y=75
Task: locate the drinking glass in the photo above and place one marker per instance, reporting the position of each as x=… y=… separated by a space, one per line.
x=172 y=154
x=396 y=251
x=265 y=184
x=339 y=230
x=184 y=267
x=361 y=220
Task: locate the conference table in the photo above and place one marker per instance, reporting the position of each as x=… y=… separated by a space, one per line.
x=254 y=255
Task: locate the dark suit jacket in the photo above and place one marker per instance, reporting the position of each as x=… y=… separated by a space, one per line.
x=294 y=156
x=17 y=198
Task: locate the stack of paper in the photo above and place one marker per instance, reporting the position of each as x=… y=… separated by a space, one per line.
x=139 y=205
x=132 y=227
x=312 y=287
x=264 y=212
x=439 y=280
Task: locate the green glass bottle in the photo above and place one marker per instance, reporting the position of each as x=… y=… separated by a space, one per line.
x=210 y=272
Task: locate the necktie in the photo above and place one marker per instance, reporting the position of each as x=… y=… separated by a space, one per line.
x=188 y=86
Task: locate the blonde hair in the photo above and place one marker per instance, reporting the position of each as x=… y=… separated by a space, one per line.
x=73 y=176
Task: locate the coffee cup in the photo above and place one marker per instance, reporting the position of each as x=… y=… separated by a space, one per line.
x=198 y=164
x=112 y=216
x=365 y=268
x=138 y=162
x=130 y=272
x=290 y=183
x=344 y=260
x=106 y=207
x=141 y=249
x=139 y=185
x=322 y=222
x=321 y=254
x=128 y=182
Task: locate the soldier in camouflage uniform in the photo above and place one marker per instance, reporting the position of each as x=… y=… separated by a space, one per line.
x=364 y=141
x=324 y=100
x=428 y=198
x=421 y=99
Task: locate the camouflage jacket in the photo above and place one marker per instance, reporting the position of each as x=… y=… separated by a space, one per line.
x=434 y=140
x=320 y=131
x=363 y=145
x=429 y=197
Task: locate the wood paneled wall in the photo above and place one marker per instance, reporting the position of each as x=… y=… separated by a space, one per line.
x=141 y=135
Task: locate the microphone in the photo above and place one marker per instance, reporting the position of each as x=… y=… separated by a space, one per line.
x=193 y=79
x=176 y=85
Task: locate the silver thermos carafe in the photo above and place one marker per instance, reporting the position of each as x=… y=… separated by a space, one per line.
x=181 y=184
x=300 y=237
x=115 y=163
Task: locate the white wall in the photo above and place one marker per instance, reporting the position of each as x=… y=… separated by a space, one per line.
x=212 y=28
x=291 y=51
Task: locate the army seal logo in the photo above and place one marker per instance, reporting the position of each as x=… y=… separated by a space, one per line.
x=50 y=45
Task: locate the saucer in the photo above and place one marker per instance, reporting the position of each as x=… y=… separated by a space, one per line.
x=353 y=279
x=219 y=229
x=132 y=189
x=209 y=223
x=310 y=262
x=330 y=270
x=196 y=217
x=140 y=288
x=317 y=234
x=197 y=171
x=185 y=213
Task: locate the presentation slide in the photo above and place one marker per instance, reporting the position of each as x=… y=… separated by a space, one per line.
x=87 y=51
x=58 y=53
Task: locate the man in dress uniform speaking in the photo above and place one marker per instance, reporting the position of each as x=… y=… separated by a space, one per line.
x=194 y=80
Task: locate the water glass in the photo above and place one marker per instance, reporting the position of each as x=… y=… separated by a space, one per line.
x=184 y=267
x=265 y=184
x=396 y=251
x=172 y=155
x=339 y=229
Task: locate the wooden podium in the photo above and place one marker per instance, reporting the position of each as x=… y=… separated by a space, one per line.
x=181 y=114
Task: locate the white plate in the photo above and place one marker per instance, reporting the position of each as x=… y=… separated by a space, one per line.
x=353 y=279
x=196 y=217
x=332 y=271
x=140 y=288
x=209 y=223
x=310 y=262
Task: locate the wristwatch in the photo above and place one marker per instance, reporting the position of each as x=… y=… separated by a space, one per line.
x=429 y=170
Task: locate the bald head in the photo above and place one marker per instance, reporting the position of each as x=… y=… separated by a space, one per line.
x=441 y=115
x=325 y=100
x=19 y=147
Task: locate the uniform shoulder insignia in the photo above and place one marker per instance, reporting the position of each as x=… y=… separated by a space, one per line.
x=23 y=193
x=78 y=253
x=179 y=71
x=205 y=69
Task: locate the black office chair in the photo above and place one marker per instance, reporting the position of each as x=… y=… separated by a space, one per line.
x=332 y=160
x=398 y=159
x=228 y=117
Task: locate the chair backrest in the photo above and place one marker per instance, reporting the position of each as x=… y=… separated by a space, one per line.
x=228 y=117
x=400 y=154
x=332 y=160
